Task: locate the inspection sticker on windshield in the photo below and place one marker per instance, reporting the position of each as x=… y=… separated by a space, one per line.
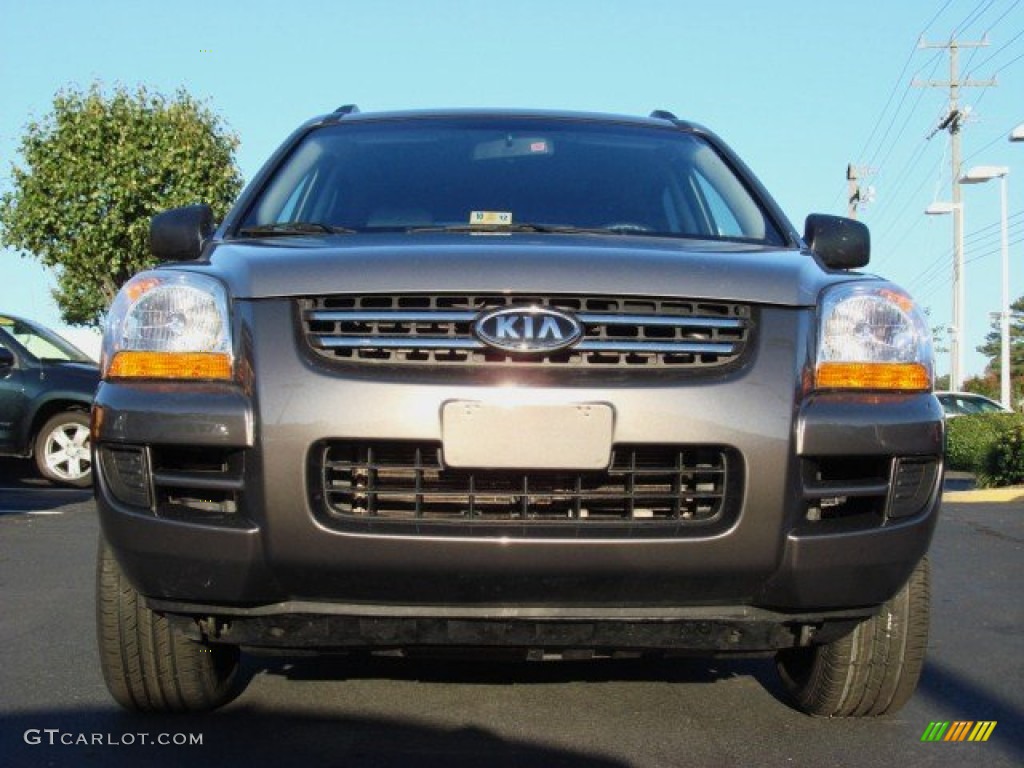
x=490 y=217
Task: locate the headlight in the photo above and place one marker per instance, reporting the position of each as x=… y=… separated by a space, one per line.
x=168 y=325
x=872 y=336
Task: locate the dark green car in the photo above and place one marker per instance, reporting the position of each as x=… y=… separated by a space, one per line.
x=46 y=390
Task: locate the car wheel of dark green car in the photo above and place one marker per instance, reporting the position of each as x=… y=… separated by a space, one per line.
x=62 y=449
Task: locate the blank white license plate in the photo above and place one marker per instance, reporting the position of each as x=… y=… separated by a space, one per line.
x=526 y=436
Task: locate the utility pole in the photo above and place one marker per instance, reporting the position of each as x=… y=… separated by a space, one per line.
x=855 y=196
x=953 y=122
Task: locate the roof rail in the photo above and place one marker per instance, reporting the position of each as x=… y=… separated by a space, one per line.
x=347 y=109
x=663 y=114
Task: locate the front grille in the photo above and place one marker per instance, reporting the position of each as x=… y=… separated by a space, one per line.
x=437 y=330
x=647 y=490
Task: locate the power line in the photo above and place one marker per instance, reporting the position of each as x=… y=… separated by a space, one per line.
x=911 y=199
x=888 y=129
x=992 y=252
x=1002 y=16
x=992 y=239
x=899 y=80
x=992 y=230
x=975 y=239
x=936 y=59
x=989 y=28
x=971 y=17
x=1002 y=48
x=1014 y=60
x=906 y=172
x=894 y=89
x=936 y=270
x=1008 y=64
x=1001 y=137
x=888 y=220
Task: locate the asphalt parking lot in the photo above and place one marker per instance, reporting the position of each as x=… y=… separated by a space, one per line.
x=351 y=711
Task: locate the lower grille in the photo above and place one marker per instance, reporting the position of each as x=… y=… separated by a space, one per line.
x=195 y=484
x=865 y=491
x=403 y=487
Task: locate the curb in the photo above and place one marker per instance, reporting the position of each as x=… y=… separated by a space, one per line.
x=985 y=496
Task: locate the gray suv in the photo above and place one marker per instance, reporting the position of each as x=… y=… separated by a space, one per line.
x=553 y=382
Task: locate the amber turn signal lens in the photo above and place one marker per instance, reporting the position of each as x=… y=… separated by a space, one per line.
x=169 y=365
x=905 y=377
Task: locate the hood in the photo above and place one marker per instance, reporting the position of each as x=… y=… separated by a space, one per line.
x=521 y=263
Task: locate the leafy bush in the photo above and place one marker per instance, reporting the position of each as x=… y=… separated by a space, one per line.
x=971 y=440
x=989 y=445
x=1006 y=459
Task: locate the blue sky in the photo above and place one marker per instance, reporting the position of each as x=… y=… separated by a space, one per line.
x=800 y=88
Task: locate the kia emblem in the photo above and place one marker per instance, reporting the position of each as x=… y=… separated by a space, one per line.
x=527 y=329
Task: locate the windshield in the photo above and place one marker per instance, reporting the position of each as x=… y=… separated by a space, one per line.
x=507 y=173
x=39 y=342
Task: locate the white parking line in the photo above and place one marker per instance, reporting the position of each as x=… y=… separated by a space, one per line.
x=45 y=490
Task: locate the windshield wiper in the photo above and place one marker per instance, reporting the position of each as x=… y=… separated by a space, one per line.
x=555 y=228
x=294 y=228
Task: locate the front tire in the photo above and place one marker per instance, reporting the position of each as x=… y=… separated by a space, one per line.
x=871 y=671
x=61 y=449
x=147 y=665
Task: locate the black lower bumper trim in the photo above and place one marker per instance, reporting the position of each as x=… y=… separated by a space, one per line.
x=741 y=630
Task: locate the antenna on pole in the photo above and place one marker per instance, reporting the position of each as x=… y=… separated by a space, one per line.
x=856 y=195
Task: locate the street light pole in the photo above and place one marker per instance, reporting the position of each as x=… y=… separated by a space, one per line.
x=978 y=175
x=959 y=292
x=1004 y=319
x=956 y=327
x=1017 y=134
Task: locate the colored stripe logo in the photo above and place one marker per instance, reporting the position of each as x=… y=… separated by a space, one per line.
x=959 y=730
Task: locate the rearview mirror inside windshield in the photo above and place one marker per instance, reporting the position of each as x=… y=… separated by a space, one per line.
x=511 y=146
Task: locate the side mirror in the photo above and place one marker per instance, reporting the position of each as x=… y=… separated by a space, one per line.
x=179 y=234
x=839 y=242
x=6 y=359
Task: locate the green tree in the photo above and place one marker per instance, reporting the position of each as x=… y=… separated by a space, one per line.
x=938 y=335
x=95 y=170
x=992 y=349
x=987 y=385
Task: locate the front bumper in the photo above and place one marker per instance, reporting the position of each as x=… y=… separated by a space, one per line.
x=267 y=544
